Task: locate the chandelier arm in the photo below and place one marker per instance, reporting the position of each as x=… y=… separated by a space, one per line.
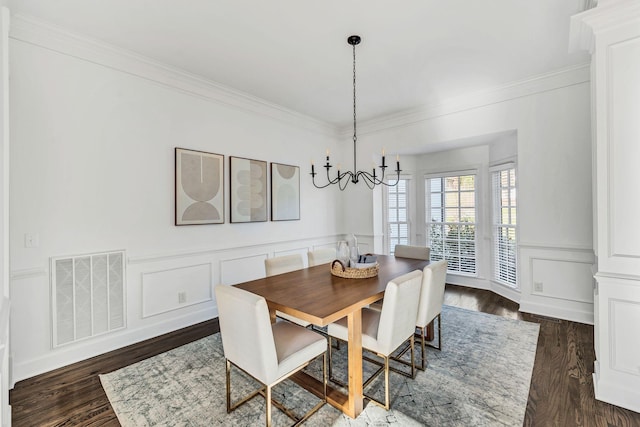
x=313 y=180
x=354 y=176
x=368 y=179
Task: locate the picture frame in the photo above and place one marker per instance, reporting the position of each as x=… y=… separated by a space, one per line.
x=247 y=190
x=199 y=187
x=285 y=192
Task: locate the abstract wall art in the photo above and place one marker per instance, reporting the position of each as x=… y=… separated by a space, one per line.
x=199 y=187
x=285 y=192
x=248 y=189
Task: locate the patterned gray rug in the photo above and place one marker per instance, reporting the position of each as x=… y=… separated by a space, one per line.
x=480 y=378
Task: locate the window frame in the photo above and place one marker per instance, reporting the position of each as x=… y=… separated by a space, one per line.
x=497 y=224
x=385 y=213
x=476 y=224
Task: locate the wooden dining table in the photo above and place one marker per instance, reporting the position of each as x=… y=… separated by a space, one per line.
x=315 y=295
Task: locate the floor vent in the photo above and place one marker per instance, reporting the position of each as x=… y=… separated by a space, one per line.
x=87 y=296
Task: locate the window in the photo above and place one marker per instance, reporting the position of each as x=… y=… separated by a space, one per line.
x=397 y=215
x=504 y=227
x=451 y=221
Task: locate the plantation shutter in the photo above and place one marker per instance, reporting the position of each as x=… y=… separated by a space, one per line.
x=505 y=241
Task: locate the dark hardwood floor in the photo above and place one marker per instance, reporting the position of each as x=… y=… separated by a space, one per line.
x=561 y=392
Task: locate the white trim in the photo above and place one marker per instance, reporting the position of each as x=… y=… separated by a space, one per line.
x=141 y=259
x=105 y=343
x=31 y=30
x=446 y=174
x=554 y=80
x=572 y=314
x=511 y=164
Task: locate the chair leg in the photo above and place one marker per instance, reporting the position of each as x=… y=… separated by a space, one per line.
x=423 y=338
x=329 y=351
x=228 y=375
x=386 y=383
x=324 y=375
x=439 y=332
x=413 y=358
x=268 y=399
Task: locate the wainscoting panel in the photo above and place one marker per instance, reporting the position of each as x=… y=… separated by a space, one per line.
x=624 y=336
x=557 y=282
x=242 y=269
x=617 y=368
x=554 y=278
x=174 y=288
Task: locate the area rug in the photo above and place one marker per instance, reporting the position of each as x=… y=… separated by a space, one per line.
x=480 y=378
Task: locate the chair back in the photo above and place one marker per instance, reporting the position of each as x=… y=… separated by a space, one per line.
x=283 y=264
x=247 y=337
x=432 y=293
x=415 y=252
x=321 y=256
x=399 y=311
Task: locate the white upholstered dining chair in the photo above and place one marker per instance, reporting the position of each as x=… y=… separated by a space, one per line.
x=280 y=265
x=321 y=256
x=269 y=353
x=384 y=331
x=283 y=264
x=434 y=277
x=406 y=251
x=410 y=251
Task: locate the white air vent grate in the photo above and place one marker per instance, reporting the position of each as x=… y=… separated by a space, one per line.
x=87 y=296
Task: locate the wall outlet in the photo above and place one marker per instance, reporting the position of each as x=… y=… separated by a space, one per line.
x=31 y=240
x=182 y=297
x=537 y=287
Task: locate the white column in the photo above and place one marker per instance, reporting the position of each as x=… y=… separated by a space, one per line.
x=611 y=32
x=5 y=373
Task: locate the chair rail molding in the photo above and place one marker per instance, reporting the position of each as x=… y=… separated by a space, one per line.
x=164 y=292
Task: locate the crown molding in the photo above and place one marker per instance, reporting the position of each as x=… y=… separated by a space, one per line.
x=607 y=15
x=545 y=82
x=33 y=31
x=542 y=83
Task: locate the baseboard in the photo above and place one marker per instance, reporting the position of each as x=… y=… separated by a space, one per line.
x=469 y=282
x=84 y=350
x=565 y=313
x=616 y=394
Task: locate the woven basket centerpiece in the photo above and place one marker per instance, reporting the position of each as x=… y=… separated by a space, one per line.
x=339 y=269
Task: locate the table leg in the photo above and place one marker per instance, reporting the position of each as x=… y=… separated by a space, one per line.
x=354 y=325
x=272 y=315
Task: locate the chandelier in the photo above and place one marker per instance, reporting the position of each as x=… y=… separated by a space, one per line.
x=343 y=178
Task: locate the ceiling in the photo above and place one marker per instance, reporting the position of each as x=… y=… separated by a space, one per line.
x=293 y=53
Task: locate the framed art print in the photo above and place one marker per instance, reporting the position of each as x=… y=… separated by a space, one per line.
x=285 y=192
x=199 y=187
x=248 y=189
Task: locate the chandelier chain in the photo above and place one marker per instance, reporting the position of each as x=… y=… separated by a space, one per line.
x=355 y=138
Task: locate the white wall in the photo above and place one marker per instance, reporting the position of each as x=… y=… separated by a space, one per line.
x=5 y=301
x=551 y=117
x=92 y=169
